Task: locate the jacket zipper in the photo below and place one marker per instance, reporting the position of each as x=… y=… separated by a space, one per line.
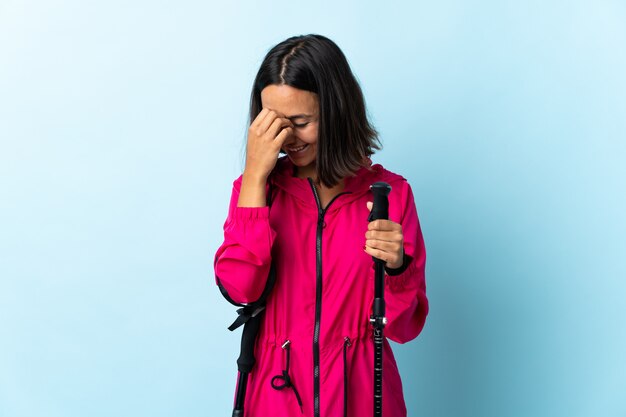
x=318 y=298
x=346 y=344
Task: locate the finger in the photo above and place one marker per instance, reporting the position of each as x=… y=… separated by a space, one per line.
x=390 y=247
x=393 y=236
x=259 y=118
x=276 y=126
x=382 y=224
x=377 y=253
x=370 y=205
x=388 y=258
x=267 y=122
x=282 y=136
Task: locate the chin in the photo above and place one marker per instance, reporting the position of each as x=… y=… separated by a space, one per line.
x=302 y=162
x=306 y=168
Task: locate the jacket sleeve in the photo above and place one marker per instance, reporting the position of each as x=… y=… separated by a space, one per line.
x=242 y=262
x=405 y=293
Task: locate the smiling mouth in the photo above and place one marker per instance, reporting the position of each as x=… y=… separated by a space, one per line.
x=297 y=149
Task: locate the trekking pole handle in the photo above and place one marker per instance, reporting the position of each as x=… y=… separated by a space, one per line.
x=380 y=210
x=380 y=207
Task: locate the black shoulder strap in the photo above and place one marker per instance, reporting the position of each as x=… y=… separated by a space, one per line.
x=252 y=309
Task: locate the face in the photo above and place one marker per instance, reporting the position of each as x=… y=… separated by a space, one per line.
x=302 y=108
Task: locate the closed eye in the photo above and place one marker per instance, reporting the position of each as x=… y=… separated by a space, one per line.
x=300 y=124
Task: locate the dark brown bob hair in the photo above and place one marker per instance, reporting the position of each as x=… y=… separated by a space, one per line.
x=315 y=63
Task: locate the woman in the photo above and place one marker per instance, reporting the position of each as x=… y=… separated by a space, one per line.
x=315 y=340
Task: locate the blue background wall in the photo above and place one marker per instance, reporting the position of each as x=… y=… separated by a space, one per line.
x=121 y=130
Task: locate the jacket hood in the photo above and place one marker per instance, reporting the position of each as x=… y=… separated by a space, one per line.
x=355 y=186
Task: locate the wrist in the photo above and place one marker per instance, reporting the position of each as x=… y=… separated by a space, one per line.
x=254 y=179
x=252 y=193
x=394 y=266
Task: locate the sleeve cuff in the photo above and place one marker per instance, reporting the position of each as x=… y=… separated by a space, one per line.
x=397 y=271
x=251 y=213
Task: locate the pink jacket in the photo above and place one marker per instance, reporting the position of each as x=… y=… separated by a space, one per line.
x=322 y=299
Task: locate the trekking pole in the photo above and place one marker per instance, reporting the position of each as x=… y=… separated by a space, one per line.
x=380 y=210
x=250 y=316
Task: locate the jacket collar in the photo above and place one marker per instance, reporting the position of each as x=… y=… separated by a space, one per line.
x=355 y=186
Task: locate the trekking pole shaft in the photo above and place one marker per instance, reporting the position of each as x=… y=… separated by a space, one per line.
x=242 y=383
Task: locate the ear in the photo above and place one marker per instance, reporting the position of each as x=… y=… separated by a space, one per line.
x=370 y=205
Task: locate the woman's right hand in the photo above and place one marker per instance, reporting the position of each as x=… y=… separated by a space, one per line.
x=266 y=136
